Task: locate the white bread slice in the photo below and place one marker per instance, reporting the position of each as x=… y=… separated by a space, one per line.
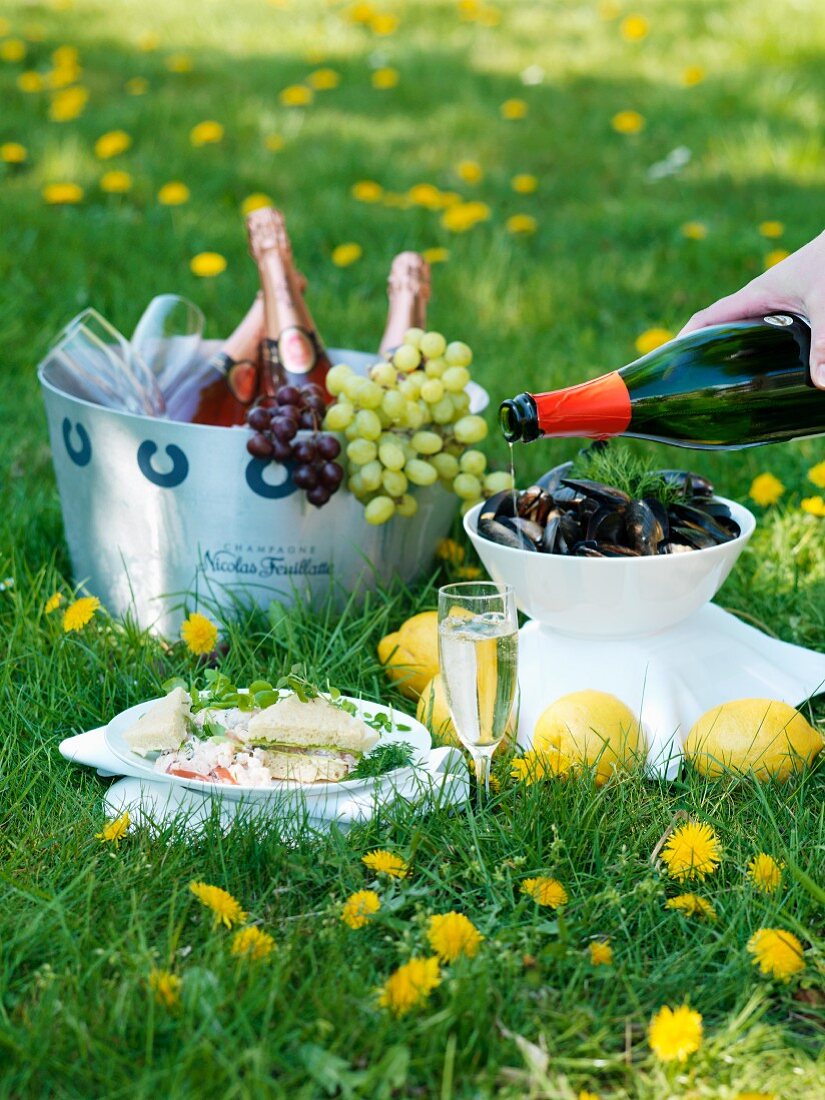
x=164 y=727
x=314 y=723
x=304 y=767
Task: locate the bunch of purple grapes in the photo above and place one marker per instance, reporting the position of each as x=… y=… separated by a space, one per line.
x=276 y=421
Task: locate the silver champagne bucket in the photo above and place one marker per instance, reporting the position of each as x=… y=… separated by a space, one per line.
x=160 y=515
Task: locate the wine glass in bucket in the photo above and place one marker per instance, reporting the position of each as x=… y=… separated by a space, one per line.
x=168 y=338
x=478 y=653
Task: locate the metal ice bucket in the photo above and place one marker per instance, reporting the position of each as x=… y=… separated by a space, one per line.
x=158 y=514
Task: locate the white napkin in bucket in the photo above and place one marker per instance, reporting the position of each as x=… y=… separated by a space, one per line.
x=443 y=781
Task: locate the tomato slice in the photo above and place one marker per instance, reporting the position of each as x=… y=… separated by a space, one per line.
x=183 y=773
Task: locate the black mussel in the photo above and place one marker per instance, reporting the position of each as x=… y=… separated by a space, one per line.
x=551 y=481
x=721 y=514
x=692 y=536
x=563 y=495
x=613 y=550
x=698 y=517
x=535 y=504
x=548 y=538
x=606 y=525
x=660 y=512
x=496 y=506
x=594 y=490
x=693 y=485
x=570 y=529
x=528 y=527
x=505 y=534
x=587 y=548
x=644 y=532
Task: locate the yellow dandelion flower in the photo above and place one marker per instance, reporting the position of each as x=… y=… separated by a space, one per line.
x=601 y=953
x=464 y=215
x=695 y=231
x=116 y=183
x=585 y=1095
x=628 y=122
x=173 y=193
x=756 y=1096
x=651 y=339
x=633 y=28
x=323 y=80
x=816 y=474
x=489 y=17
x=425 y=194
x=345 y=254
x=79 y=613
x=12 y=49
x=692 y=906
x=776 y=952
x=469 y=10
x=533 y=766
x=296 y=95
x=206 y=265
x=383 y=24
x=385 y=78
x=495 y=782
x=766 y=489
x=166 y=988
x=256 y=201
x=359 y=908
x=545 y=891
x=208 y=132
x=114 y=831
x=62 y=76
x=386 y=863
x=409 y=985
x=450 y=551
x=468 y=572
x=521 y=224
x=274 y=143
x=53 y=602
x=771 y=229
x=776 y=257
x=360 y=12
x=692 y=851
x=199 y=633
x=30 y=82
x=226 y=909
x=765 y=873
x=814 y=506
x=62 y=194
x=68 y=104
x=453 y=934
x=470 y=171
x=252 y=943
x=148 y=41
x=436 y=255
x=513 y=109
x=180 y=63
x=12 y=152
x=112 y=144
x=524 y=183
x=367 y=191
x=65 y=56
x=675 y=1033
x=693 y=75
x=136 y=85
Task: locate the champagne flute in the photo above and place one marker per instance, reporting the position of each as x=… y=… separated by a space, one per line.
x=168 y=338
x=478 y=653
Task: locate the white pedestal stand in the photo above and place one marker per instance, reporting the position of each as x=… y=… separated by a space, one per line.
x=670 y=678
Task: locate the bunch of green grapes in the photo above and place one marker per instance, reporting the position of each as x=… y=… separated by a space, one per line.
x=409 y=423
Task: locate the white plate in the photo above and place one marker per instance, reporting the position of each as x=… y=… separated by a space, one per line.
x=416 y=735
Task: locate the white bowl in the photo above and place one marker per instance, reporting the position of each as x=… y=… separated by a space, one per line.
x=612 y=597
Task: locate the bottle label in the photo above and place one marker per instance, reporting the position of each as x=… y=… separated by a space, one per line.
x=296 y=350
x=594 y=409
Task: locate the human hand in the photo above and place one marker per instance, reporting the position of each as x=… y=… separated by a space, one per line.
x=795 y=285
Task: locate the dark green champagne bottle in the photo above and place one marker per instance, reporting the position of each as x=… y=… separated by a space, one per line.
x=728 y=386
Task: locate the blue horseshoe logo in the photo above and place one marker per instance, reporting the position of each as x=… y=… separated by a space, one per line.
x=180 y=465
x=255 y=480
x=81 y=456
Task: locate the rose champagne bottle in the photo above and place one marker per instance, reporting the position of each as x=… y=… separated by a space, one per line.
x=292 y=349
x=408 y=289
x=727 y=386
x=221 y=391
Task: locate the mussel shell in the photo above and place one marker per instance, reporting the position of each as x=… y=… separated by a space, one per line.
x=496 y=506
x=660 y=512
x=551 y=481
x=692 y=536
x=698 y=517
x=644 y=532
x=606 y=525
x=602 y=494
x=528 y=527
x=505 y=534
x=694 y=486
x=549 y=536
x=613 y=550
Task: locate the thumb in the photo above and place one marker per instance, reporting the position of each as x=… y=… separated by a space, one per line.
x=750 y=301
x=817 y=320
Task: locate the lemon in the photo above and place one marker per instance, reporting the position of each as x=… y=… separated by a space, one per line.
x=410 y=655
x=764 y=736
x=591 y=728
x=433 y=711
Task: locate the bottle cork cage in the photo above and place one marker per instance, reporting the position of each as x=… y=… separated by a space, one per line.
x=158 y=513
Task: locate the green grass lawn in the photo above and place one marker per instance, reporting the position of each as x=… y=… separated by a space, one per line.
x=82 y=925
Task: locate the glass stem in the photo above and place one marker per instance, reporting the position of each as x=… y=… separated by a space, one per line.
x=482 y=768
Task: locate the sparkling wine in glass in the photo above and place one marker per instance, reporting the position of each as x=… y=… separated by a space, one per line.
x=478 y=651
